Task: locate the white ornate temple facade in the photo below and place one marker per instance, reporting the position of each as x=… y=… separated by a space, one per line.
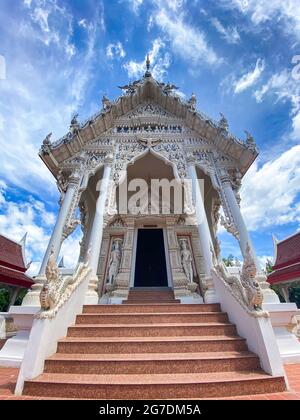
x=149 y=133
x=148 y=180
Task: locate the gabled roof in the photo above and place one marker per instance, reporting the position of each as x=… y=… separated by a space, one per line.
x=12 y=254
x=288 y=251
x=147 y=90
x=287 y=264
x=12 y=263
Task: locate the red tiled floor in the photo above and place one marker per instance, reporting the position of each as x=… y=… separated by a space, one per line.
x=8 y=378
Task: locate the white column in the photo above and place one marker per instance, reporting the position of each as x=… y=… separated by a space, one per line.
x=204 y=234
x=203 y=227
x=57 y=234
x=96 y=235
x=244 y=237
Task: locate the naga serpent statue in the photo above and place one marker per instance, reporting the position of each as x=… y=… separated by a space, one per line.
x=54 y=286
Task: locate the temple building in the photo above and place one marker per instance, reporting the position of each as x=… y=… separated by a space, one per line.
x=287 y=265
x=150 y=310
x=13 y=267
x=148 y=134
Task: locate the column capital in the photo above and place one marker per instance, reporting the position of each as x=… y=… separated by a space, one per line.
x=74 y=178
x=191 y=160
x=224 y=176
x=109 y=159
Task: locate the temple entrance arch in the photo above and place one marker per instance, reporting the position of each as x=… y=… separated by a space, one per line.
x=153 y=182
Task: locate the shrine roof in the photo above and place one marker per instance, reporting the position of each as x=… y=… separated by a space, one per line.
x=13 y=266
x=142 y=91
x=285 y=274
x=287 y=260
x=13 y=277
x=12 y=254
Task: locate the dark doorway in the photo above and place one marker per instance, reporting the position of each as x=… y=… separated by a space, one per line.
x=150 y=268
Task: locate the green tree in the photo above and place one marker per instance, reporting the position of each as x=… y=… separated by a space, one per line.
x=269 y=267
x=4 y=299
x=229 y=261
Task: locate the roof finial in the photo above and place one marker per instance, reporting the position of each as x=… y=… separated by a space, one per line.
x=148 y=65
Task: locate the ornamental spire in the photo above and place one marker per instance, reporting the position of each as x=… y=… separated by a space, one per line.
x=148 y=65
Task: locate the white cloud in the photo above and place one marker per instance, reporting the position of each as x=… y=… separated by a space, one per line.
x=230 y=34
x=135 y=5
x=160 y=62
x=285 y=88
x=251 y=78
x=31 y=217
x=186 y=41
x=40 y=94
x=261 y=11
x=115 y=50
x=83 y=23
x=270 y=193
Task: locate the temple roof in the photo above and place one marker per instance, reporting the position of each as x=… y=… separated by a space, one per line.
x=287 y=260
x=12 y=263
x=142 y=91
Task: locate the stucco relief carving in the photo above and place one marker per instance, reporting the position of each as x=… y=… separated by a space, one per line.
x=115 y=260
x=118 y=222
x=186 y=259
x=173 y=153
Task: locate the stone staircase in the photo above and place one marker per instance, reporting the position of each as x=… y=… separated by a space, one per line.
x=143 y=295
x=152 y=351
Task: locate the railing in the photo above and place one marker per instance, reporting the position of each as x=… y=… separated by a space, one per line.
x=242 y=299
x=62 y=299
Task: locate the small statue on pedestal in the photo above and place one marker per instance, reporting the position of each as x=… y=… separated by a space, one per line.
x=186 y=260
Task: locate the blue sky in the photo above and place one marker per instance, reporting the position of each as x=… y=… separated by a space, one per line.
x=239 y=56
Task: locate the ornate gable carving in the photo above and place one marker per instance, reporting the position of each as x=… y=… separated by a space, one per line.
x=149 y=110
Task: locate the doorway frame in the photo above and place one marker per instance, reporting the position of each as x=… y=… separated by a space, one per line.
x=167 y=255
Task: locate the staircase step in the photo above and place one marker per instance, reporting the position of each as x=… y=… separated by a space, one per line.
x=166 y=386
x=146 y=330
x=151 y=301
x=151 y=318
x=151 y=363
x=150 y=345
x=150 y=308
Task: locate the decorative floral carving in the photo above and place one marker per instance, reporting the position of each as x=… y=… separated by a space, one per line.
x=149 y=110
x=118 y=223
